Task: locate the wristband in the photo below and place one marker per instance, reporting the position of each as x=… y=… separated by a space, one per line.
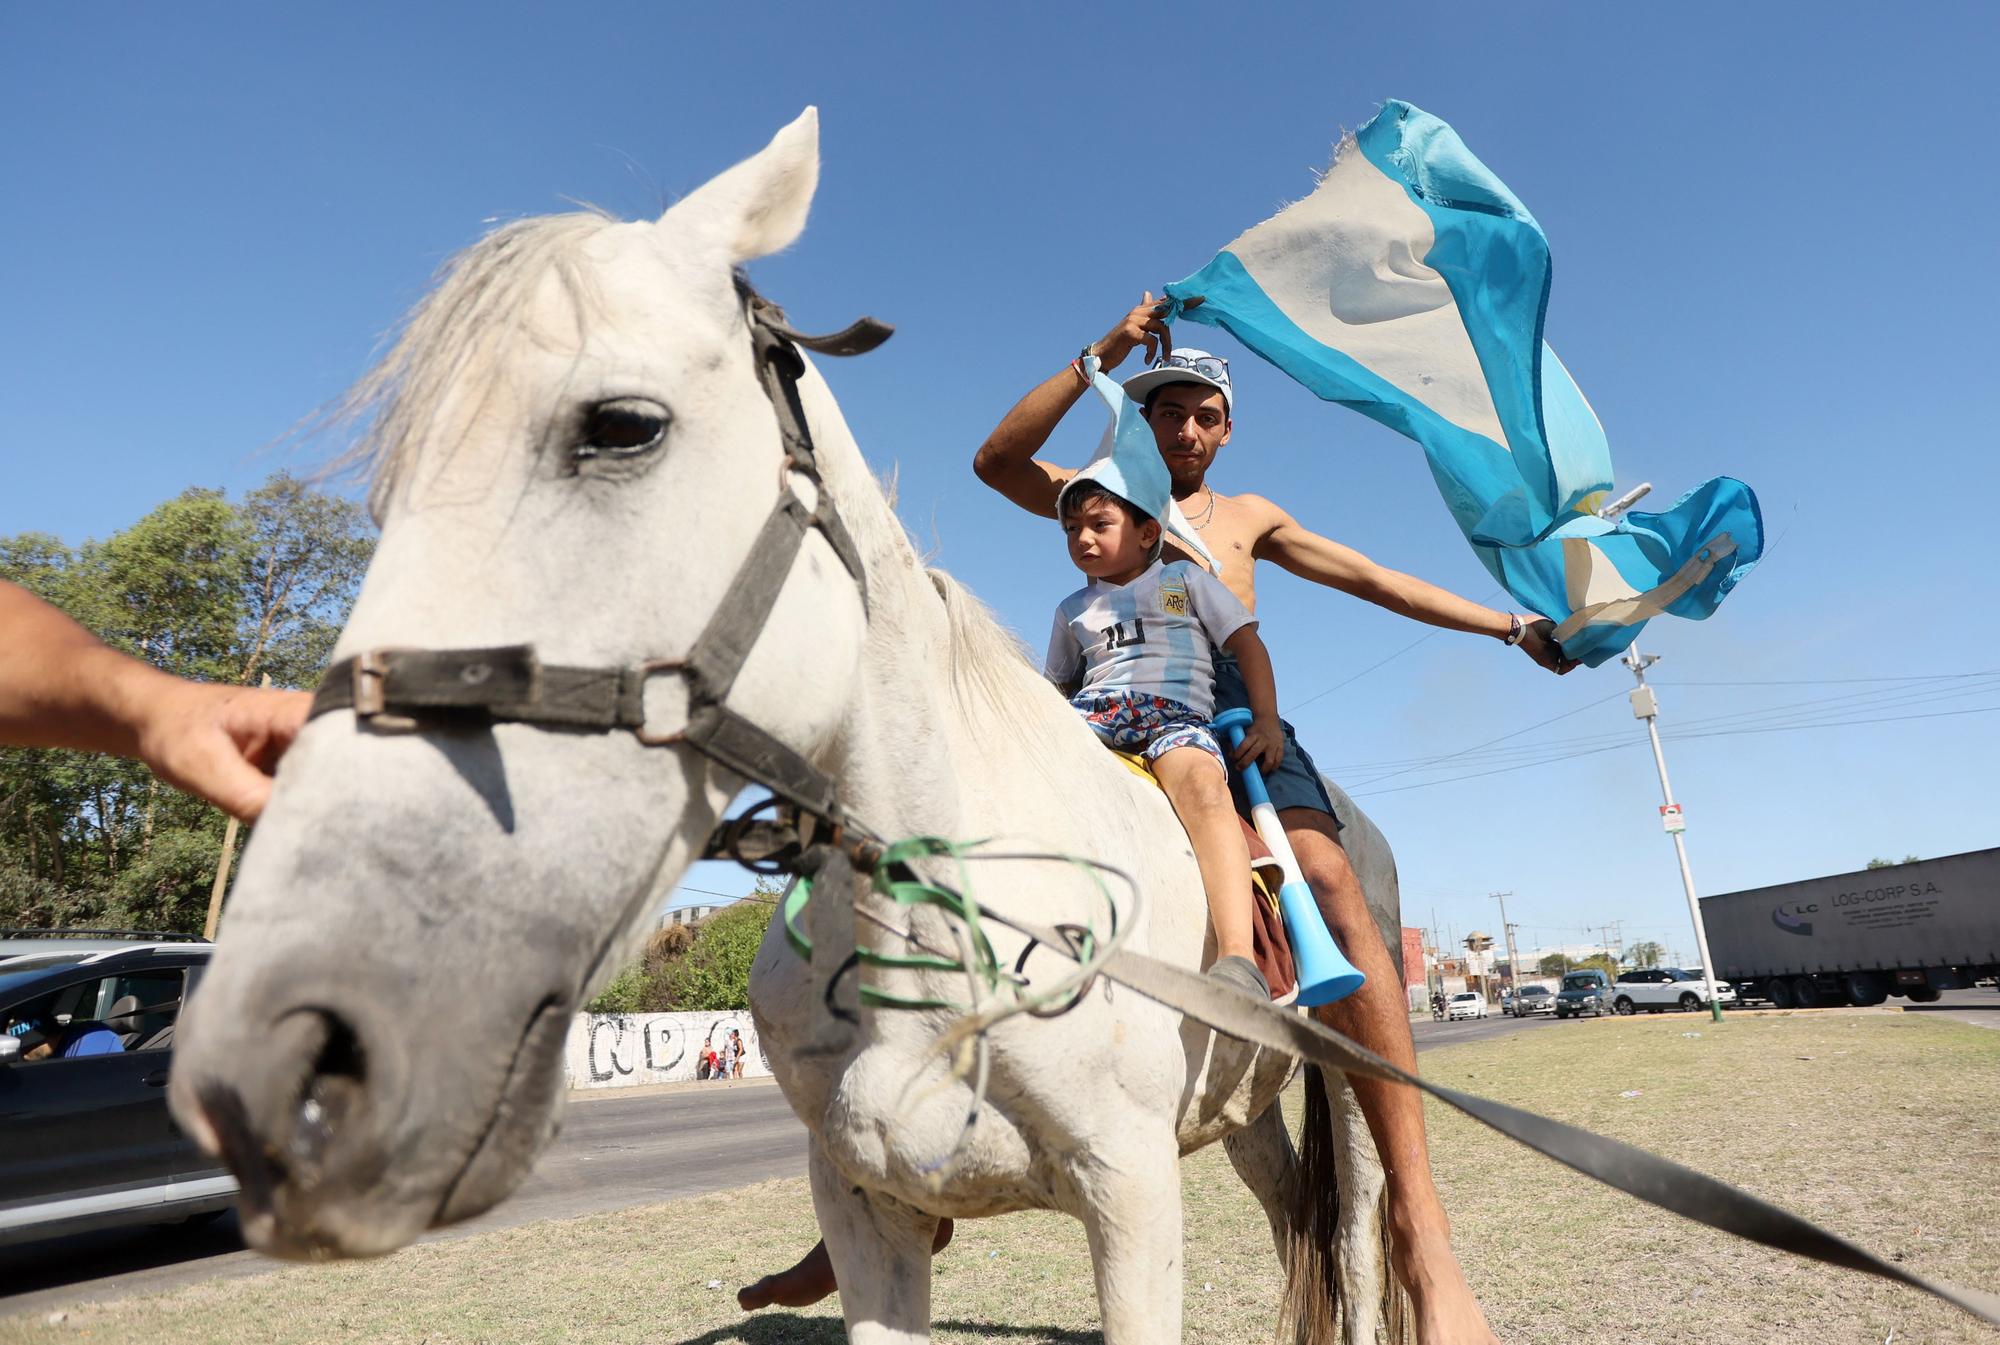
x=1516 y=630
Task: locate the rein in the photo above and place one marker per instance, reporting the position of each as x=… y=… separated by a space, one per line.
x=815 y=840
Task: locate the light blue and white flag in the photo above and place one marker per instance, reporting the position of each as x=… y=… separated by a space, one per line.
x=1411 y=285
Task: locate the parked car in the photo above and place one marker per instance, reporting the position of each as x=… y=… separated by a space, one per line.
x=1584 y=992
x=1532 y=999
x=1467 y=1004
x=1657 y=989
x=86 y=1044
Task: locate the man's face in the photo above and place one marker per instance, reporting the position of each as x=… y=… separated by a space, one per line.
x=1190 y=422
x=1104 y=542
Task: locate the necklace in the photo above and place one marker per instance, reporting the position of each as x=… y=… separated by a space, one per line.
x=1206 y=514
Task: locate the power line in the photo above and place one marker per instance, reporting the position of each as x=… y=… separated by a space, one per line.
x=1295 y=708
x=1719 y=733
x=1864 y=700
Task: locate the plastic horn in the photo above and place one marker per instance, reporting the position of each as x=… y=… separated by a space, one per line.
x=1325 y=974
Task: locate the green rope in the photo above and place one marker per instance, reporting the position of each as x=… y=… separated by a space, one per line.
x=914 y=892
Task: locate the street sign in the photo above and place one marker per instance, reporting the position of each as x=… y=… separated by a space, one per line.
x=1671 y=819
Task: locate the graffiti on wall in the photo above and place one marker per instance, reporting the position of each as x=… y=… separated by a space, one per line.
x=616 y=1050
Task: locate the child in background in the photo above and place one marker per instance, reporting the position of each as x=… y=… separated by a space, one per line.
x=1131 y=650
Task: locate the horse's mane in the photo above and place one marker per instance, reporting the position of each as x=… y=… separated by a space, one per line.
x=457 y=336
x=992 y=679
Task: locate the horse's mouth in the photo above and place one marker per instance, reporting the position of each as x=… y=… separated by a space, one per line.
x=323 y=1189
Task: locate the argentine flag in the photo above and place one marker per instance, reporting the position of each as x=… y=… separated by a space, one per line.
x=1411 y=285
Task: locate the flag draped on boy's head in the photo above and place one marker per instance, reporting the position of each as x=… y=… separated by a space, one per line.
x=1411 y=285
x=1129 y=465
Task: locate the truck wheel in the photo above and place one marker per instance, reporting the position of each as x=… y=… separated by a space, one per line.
x=1926 y=994
x=1689 y=1003
x=1623 y=1005
x=1804 y=993
x=1865 y=989
x=1779 y=993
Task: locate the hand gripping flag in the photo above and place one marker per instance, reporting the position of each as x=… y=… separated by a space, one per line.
x=1411 y=285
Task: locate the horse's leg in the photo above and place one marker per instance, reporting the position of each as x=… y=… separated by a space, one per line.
x=810 y=1279
x=1131 y=1193
x=880 y=1251
x=1262 y=1155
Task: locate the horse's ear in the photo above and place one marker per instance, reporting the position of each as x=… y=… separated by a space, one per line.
x=760 y=205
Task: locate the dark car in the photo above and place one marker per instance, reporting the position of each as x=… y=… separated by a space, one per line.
x=1584 y=992
x=86 y=1042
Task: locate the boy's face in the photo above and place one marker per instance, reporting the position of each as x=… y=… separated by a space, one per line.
x=1105 y=543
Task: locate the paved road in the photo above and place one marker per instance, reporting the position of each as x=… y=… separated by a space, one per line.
x=615 y=1151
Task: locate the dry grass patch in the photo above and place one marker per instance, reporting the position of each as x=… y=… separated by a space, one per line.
x=1880 y=1126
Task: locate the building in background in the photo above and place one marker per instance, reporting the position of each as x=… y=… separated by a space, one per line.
x=689 y=915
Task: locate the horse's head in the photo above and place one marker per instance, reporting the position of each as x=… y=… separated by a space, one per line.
x=573 y=450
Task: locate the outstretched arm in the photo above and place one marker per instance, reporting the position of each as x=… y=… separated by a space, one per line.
x=62 y=687
x=1007 y=461
x=1324 y=561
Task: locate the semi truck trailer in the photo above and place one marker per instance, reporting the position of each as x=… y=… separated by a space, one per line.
x=1857 y=938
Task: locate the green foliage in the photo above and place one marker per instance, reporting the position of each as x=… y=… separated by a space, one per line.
x=1600 y=961
x=1891 y=863
x=1645 y=954
x=695 y=967
x=1555 y=964
x=715 y=972
x=622 y=994
x=202 y=588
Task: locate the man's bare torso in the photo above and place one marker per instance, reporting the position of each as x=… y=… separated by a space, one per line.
x=1232 y=531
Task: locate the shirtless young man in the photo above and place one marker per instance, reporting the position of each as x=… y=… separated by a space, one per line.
x=1190 y=415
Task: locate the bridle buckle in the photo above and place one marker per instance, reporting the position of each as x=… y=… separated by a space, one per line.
x=643 y=673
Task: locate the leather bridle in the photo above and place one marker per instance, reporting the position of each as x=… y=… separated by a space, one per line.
x=402 y=687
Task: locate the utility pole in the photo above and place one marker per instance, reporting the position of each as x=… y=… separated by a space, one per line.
x=1646 y=706
x=1507 y=933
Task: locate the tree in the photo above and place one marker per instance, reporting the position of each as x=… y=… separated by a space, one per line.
x=1645 y=954
x=1555 y=964
x=201 y=588
x=715 y=972
x=1891 y=863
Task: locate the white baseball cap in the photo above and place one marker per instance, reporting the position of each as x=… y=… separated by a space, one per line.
x=1184 y=365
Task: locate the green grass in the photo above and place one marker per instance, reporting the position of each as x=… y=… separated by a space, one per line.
x=1883 y=1127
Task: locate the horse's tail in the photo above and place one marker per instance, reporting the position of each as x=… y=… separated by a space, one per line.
x=1311 y=1310
x=1314 y=1310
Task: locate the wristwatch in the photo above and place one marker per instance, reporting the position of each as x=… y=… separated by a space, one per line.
x=1516 y=629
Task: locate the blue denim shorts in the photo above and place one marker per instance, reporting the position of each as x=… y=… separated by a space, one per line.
x=1296 y=782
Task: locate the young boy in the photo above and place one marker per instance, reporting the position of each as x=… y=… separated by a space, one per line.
x=1131 y=650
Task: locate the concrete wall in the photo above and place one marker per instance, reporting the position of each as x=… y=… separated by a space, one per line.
x=624 y=1050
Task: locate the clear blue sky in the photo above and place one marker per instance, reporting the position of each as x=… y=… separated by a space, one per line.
x=1772 y=232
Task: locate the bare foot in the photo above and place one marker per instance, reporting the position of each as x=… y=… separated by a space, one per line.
x=1442 y=1304
x=811 y=1279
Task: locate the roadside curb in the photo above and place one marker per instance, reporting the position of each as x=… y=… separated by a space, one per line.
x=657 y=1089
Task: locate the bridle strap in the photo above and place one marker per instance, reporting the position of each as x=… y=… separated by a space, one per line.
x=510 y=684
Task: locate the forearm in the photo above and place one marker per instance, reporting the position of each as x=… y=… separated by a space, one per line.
x=1253 y=661
x=62 y=687
x=1009 y=451
x=1426 y=602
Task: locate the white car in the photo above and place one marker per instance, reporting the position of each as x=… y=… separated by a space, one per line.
x=1470 y=1004
x=1657 y=989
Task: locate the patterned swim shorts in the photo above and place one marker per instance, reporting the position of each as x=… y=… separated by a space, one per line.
x=1133 y=721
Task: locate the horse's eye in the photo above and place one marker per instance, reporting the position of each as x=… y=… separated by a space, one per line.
x=622 y=429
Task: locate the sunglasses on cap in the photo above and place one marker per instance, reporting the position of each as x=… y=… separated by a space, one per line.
x=1208 y=366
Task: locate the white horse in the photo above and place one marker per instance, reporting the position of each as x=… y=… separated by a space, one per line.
x=574 y=450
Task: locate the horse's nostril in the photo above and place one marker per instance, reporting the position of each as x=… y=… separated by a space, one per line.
x=334 y=1091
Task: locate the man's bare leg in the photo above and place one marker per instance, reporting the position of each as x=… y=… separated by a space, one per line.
x=1377 y=1017
x=811 y=1279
